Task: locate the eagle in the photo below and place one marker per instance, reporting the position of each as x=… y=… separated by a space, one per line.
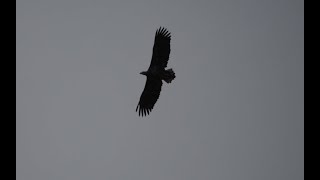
x=156 y=72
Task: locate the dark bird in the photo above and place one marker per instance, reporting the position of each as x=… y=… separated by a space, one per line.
x=156 y=72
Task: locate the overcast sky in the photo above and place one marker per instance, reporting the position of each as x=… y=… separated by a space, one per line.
x=234 y=112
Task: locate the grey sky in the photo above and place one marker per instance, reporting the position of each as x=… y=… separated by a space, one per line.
x=234 y=112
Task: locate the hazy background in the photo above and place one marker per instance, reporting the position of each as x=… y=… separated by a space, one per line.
x=234 y=112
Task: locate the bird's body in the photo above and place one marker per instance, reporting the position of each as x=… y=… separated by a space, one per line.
x=156 y=72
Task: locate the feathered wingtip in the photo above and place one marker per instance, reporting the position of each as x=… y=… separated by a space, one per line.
x=143 y=111
x=163 y=32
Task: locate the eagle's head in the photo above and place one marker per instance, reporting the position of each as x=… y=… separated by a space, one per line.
x=144 y=73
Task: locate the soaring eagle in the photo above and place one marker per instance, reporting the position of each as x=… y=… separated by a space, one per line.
x=156 y=72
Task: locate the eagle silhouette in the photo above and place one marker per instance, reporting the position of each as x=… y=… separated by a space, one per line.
x=156 y=72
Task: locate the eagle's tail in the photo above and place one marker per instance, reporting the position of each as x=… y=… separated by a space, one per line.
x=169 y=75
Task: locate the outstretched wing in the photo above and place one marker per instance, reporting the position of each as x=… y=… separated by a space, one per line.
x=161 y=49
x=149 y=95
